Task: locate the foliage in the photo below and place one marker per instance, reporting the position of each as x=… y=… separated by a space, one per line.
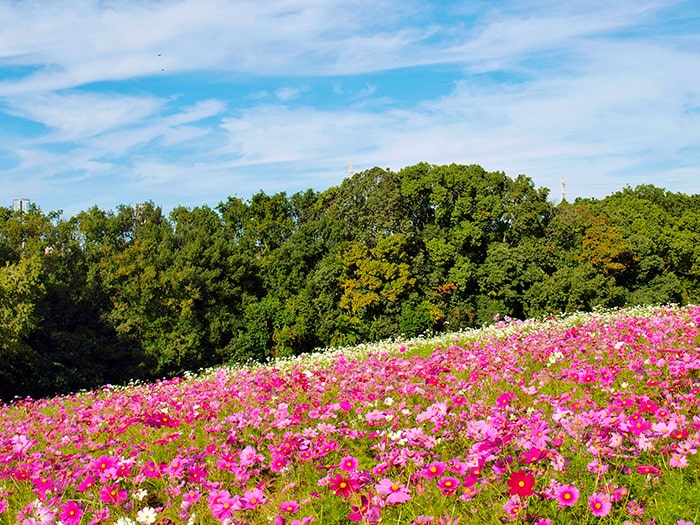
x=106 y=296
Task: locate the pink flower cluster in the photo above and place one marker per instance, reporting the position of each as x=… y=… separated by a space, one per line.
x=552 y=419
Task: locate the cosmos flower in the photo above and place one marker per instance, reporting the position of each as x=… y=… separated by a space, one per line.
x=521 y=483
x=394 y=492
x=567 y=495
x=599 y=504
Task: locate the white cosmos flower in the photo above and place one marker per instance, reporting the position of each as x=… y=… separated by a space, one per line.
x=147 y=516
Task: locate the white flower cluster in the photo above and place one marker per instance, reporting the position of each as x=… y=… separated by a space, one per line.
x=554 y=357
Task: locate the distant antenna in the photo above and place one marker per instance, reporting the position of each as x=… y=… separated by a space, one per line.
x=563 y=189
x=350 y=170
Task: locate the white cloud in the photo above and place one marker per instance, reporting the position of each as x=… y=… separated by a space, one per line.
x=586 y=90
x=81 y=115
x=88 y=41
x=288 y=93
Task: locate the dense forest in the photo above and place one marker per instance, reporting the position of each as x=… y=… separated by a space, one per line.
x=132 y=293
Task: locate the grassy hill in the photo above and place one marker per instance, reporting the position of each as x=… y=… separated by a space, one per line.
x=590 y=418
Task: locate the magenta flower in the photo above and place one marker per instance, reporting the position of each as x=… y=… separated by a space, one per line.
x=599 y=504
x=349 y=464
x=249 y=456
x=223 y=505
x=43 y=484
x=161 y=420
x=290 y=506
x=112 y=494
x=104 y=463
x=253 y=498
x=343 y=486
x=433 y=470
x=278 y=463
x=303 y=521
x=504 y=399
x=567 y=495
x=521 y=483
x=70 y=513
x=448 y=485
x=366 y=511
x=539 y=434
x=648 y=469
x=394 y=492
x=514 y=505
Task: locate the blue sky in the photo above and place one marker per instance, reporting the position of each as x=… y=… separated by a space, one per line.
x=187 y=102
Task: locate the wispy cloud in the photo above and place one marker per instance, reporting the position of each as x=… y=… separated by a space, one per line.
x=78 y=116
x=191 y=101
x=288 y=93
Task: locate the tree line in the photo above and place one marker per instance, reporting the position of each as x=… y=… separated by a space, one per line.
x=132 y=293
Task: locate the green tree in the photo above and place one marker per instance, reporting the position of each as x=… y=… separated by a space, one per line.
x=21 y=288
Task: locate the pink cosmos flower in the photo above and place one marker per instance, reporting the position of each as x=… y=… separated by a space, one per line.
x=567 y=495
x=394 y=492
x=539 y=434
x=223 y=506
x=349 y=464
x=504 y=399
x=599 y=504
x=459 y=467
x=20 y=444
x=514 y=505
x=70 y=513
x=343 y=486
x=189 y=499
x=433 y=470
x=42 y=515
x=196 y=474
x=107 y=471
x=648 y=470
x=533 y=455
x=43 y=484
x=290 y=506
x=303 y=521
x=678 y=461
x=634 y=508
x=104 y=463
x=448 y=485
x=112 y=494
x=253 y=498
x=278 y=463
x=366 y=511
x=249 y=456
x=152 y=470
x=161 y=419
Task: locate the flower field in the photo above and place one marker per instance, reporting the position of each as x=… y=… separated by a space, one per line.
x=592 y=418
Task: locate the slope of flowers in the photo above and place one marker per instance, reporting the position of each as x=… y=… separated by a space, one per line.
x=586 y=419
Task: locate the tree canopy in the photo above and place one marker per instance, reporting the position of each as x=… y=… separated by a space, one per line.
x=112 y=295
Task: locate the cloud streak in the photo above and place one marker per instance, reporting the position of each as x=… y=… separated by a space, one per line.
x=185 y=102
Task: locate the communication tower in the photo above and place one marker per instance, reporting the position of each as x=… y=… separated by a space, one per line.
x=563 y=189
